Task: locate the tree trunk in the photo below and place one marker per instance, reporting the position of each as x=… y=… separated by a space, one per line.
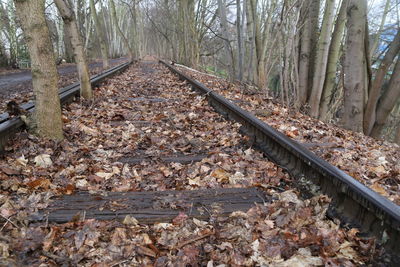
x=252 y=68
x=124 y=39
x=44 y=72
x=322 y=57
x=100 y=35
x=68 y=50
x=224 y=33
x=240 y=39
x=333 y=58
x=388 y=101
x=376 y=87
x=354 y=64
x=304 y=57
x=76 y=41
x=397 y=137
x=314 y=34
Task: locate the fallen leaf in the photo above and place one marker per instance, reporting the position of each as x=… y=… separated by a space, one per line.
x=22 y=161
x=145 y=251
x=39 y=183
x=379 y=189
x=129 y=220
x=43 y=161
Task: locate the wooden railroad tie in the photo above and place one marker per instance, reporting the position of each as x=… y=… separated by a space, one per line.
x=183 y=159
x=150 y=207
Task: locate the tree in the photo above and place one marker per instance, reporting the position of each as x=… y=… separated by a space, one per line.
x=333 y=58
x=308 y=36
x=73 y=34
x=322 y=58
x=44 y=73
x=125 y=40
x=224 y=33
x=99 y=34
x=377 y=84
x=354 y=65
x=240 y=40
x=388 y=101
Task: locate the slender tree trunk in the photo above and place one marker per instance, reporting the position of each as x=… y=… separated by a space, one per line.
x=240 y=39
x=44 y=72
x=124 y=39
x=305 y=49
x=388 y=101
x=252 y=69
x=322 y=57
x=100 y=35
x=333 y=58
x=376 y=87
x=354 y=65
x=314 y=35
x=76 y=41
x=224 y=33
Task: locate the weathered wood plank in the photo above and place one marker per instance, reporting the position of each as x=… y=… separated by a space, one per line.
x=183 y=159
x=151 y=207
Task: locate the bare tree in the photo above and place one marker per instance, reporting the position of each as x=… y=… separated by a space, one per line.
x=75 y=38
x=308 y=36
x=121 y=33
x=99 y=35
x=225 y=37
x=44 y=73
x=333 y=58
x=354 y=65
x=322 y=57
x=377 y=84
x=388 y=101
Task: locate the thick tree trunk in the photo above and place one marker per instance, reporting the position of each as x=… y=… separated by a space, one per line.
x=100 y=35
x=322 y=57
x=44 y=73
x=68 y=50
x=74 y=36
x=354 y=66
x=388 y=101
x=376 y=87
x=333 y=58
x=124 y=39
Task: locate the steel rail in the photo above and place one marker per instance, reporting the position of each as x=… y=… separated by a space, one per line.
x=9 y=126
x=352 y=201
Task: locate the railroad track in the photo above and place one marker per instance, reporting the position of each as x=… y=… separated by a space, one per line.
x=353 y=202
x=9 y=126
x=175 y=164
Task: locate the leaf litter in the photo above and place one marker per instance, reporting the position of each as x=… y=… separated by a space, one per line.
x=374 y=163
x=289 y=231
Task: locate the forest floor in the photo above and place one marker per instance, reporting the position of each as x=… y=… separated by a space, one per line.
x=17 y=84
x=139 y=113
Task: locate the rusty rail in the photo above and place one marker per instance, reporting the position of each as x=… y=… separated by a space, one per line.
x=352 y=201
x=9 y=126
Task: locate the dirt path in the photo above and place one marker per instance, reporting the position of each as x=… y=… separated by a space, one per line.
x=18 y=81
